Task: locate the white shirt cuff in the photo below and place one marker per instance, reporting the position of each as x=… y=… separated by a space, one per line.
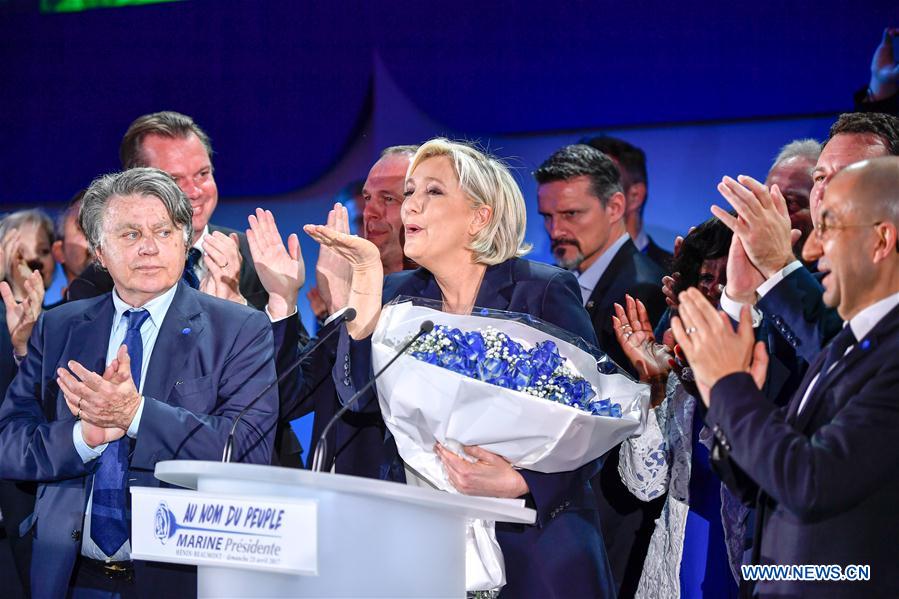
x=732 y=308
x=777 y=277
x=334 y=316
x=84 y=450
x=135 y=422
x=273 y=319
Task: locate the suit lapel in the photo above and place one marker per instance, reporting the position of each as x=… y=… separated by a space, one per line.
x=609 y=277
x=88 y=343
x=177 y=338
x=496 y=288
x=861 y=350
x=494 y=293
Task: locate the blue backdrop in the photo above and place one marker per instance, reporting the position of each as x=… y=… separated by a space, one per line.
x=300 y=97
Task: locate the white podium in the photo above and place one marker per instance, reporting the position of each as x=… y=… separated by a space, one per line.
x=374 y=538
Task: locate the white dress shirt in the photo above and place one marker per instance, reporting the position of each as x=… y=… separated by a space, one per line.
x=158 y=307
x=861 y=324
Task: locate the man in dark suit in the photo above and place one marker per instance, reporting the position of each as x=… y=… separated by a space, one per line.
x=112 y=385
x=631 y=163
x=824 y=463
x=765 y=272
x=382 y=197
x=580 y=197
x=219 y=262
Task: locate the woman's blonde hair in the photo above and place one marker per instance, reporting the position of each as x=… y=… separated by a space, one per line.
x=487 y=182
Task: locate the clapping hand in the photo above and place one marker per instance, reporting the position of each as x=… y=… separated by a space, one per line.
x=710 y=343
x=22 y=316
x=222 y=259
x=634 y=333
x=367 y=275
x=884 y=70
x=107 y=403
x=762 y=222
x=281 y=269
x=333 y=273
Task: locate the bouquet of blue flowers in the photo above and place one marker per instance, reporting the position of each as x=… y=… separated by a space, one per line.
x=494 y=357
x=513 y=385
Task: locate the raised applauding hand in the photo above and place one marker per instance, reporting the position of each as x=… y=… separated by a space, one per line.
x=223 y=260
x=333 y=273
x=634 y=333
x=367 y=275
x=884 y=70
x=762 y=222
x=714 y=349
x=105 y=404
x=22 y=316
x=281 y=269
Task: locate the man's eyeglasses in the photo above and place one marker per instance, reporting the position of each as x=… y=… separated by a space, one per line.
x=823 y=227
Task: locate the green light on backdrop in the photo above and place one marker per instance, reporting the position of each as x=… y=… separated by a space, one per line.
x=81 y=5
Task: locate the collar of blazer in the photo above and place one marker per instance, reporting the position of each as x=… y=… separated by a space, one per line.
x=866 y=346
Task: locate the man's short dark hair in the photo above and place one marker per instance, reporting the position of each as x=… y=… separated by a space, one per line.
x=581 y=160
x=884 y=126
x=631 y=158
x=166 y=124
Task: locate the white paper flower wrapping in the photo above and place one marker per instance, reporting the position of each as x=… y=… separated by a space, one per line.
x=422 y=403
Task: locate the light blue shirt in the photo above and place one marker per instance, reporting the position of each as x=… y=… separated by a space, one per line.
x=590 y=277
x=158 y=307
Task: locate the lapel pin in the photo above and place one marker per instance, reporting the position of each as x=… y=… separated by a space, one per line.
x=866 y=344
x=185 y=331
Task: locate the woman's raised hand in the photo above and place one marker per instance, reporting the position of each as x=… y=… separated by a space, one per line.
x=634 y=333
x=368 y=272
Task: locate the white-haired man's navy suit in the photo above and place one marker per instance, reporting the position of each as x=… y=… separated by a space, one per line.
x=210 y=360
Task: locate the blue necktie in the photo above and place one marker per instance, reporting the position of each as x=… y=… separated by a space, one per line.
x=109 y=517
x=190 y=266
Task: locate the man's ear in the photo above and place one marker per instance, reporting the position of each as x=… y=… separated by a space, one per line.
x=615 y=206
x=636 y=195
x=886 y=244
x=58 y=254
x=98 y=254
x=482 y=216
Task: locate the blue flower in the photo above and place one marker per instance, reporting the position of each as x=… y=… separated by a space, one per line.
x=495 y=358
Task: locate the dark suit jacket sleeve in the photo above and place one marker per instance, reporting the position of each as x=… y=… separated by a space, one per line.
x=170 y=431
x=549 y=491
x=796 y=308
x=34 y=448
x=314 y=369
x=815 y=476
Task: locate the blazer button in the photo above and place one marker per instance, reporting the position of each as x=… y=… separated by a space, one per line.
x=76 y=535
